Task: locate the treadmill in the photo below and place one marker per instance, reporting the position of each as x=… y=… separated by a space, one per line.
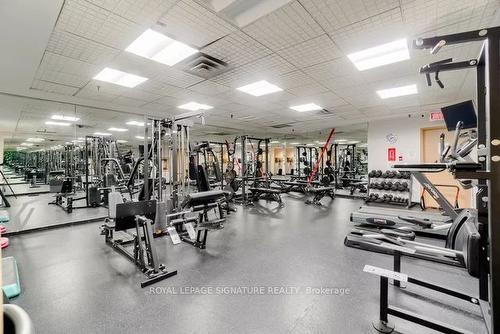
x=458 y=117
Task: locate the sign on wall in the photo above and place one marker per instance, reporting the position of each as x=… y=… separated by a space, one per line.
x=436 y=116
x=391 y=154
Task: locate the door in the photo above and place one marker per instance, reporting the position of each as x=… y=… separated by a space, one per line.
x=445 y=181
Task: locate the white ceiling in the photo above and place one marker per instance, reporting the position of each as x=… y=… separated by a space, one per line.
x=301 y=47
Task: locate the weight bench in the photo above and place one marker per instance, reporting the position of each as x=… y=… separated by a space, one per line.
x=295 y=186
x=319 y=193
x=202 y=203
x=267 y=193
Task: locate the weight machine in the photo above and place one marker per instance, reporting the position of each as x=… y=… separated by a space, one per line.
x=487 y=174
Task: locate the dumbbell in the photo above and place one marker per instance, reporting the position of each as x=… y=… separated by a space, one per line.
x=398 y=175
x=391 y=174
x=372 y=173
x=373 y=185
x=396 y=186
x=381 y=185
x=388 y=185
x=378 y=173
x=385 y=174
x=404 y=185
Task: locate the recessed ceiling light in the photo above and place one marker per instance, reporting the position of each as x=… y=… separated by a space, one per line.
x=58 y=123
x=118 y=129
x=260 y=88
x=35 y=140
x=194 y=106
x=102 y=134
x=121 y=141
x=274 y=142
x=380 y=55
x=306 y=107
x=141 y=137
x=27 y=144
x=294 y=143
x=119 y=78
x=65 y=118
x=397 y=91
x=135 y=123
x=160 y=48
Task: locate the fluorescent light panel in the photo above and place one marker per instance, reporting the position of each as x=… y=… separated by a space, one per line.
x=102 y=134
x=119 y=78
x=121 y=141
x=260 y=88
x=380 y=55
x=117 y=129
x=27 y=144
x=306 y=107
x=158 y=47
x=57 y=123
x=65 y=118
x=194 y=106
x=135 y=123
x=397 y=91
x=35 y=140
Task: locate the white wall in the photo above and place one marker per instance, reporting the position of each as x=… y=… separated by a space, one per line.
x=406 y=133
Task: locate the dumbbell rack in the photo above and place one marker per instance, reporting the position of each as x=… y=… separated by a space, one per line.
x=407 y=192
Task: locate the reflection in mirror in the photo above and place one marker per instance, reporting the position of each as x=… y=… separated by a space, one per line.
x=65 y=155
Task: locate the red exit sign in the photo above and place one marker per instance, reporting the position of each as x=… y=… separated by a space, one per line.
x=436 y=116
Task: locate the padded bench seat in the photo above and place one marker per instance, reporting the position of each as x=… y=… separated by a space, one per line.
x=271 y=193
x=202 y=198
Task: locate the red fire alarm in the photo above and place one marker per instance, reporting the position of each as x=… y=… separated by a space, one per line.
x=391 y=154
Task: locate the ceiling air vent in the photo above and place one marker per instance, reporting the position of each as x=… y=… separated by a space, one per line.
x=281 y=126
x=204 y=66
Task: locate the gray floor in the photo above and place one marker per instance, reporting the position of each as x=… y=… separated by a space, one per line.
x=73 y=283
x=33 y=211
x=25 y=189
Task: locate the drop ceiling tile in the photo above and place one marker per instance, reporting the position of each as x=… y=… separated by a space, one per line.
x=268 y=68
x=383 y=28
x=127 y=101
x=87 y=20
x=193 y=24
x=307 y=90
x=285 y=27
x=314 y=51
x=335 y=14
x=155 y=86
x=209 y=88
x=158 y=107
x=438 y=17
x=65 y=71
x=175 y=77
x=144 y=12
x=53 y=87
x=100 y=91
x=237 y=49
x=79 y=48
x=294 y=79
